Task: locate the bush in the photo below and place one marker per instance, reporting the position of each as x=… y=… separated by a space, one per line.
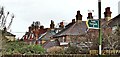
x=72 y=50
x=22 y=48
x=55 y=50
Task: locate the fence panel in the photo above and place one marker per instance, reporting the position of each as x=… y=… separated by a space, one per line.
x=60 y=55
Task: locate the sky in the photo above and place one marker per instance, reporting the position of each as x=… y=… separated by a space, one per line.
x=27 y=11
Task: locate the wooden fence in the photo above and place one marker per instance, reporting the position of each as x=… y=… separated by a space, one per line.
x=105 y=52
x=60 y=55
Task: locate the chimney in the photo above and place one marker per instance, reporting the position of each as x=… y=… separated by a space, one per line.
x=90 y=16
x=61 y=25
x=52 y=24
x=107 y=14
x=30 y=29
x=73 y=20
x=78 y=17
x=41 y=27
x=4 y=29
x=36 y=27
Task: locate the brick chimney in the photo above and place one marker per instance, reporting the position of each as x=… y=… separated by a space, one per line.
x=90 y=16
x=36 y=27
x=52 y=24
x=41 y=27
x=73 y=20
x=78 y=17
x=30 y=29
x=61 y=25
x=107 y=14
x=4 y=29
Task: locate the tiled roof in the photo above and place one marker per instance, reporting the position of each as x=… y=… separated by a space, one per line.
x=104 y=23
x=9 y=34
x=115 y=21
x=73 y=29
x=50 y=43
x=47 y=35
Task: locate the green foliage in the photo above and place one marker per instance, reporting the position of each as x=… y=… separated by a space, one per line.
x=22 y=48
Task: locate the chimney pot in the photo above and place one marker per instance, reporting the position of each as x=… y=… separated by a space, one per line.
x=78 y=16
x=61 y=25
x=41 y=27
x=90 y=16
x=73 y=20
x=30 y=29
x=107 y=9
x=107 y=13
x=52 y=24
x=78 y=12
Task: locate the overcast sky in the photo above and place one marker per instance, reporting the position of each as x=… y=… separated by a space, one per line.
x=27 y=11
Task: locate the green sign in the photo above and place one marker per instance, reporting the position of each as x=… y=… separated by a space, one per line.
x=93 y=23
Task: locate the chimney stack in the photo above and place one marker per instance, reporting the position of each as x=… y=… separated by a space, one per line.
x=41 y=27
x=78 y=17
x=52 y=24
x=30 y=29
x=90 y=16
x=4 y=29
x=107 y=14
x=61 y=25
x=73 y=20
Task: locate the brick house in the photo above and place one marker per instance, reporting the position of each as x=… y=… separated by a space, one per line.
x=74 y=32
x=78 y=32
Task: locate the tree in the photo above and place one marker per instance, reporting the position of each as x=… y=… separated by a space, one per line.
x=19 y=47
x=3 y=19
x=3 y=26
x=72 y=50
x=55 y=50
x=112 y=40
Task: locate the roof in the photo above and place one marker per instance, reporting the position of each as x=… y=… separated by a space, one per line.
x=9 y=34
x=115 y=21
x=73 y=29
x=51 y=43
x=104 y=23
x=46 y=36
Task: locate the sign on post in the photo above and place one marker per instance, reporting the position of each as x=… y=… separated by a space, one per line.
x=92 y=23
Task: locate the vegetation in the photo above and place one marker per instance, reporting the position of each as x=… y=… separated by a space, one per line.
x=72 y=50
x=4 y=26
x=19 y=47
x=112 y=40
x=55 y=50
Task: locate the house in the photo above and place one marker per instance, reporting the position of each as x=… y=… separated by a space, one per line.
x=9 y=36
x=106 y=30
x=37 y=34
x=77 y=32
x=47 y=35
x=115 y=22
x=51 y=43
x=73 y=32
x=34 y=32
